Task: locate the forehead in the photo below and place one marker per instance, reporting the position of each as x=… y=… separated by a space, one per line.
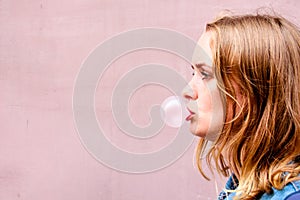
x=202 y=52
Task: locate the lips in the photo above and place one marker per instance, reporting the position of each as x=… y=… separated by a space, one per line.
x=190 y=116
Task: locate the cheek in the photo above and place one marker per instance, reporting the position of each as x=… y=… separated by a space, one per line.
x=204 y=102
x=206 y=95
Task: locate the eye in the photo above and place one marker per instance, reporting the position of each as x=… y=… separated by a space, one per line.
x=205 y=75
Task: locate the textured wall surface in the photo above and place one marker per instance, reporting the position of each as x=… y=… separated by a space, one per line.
x=42 y=46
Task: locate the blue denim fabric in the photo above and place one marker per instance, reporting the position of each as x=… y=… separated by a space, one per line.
x=293 y=196
x=289 y=192
x=231 y=184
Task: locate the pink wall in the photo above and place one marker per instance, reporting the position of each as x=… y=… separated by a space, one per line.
x=42 y=46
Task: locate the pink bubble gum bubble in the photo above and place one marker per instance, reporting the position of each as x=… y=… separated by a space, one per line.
x=173 y=111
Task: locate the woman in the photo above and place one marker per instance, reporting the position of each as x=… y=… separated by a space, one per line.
x=255 y=74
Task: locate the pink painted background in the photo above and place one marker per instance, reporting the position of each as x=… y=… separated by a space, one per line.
x=42 y=46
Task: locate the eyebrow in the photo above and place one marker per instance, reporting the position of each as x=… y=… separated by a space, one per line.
x=199 y=65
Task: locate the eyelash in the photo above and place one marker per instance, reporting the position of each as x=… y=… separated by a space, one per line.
x=204 y=75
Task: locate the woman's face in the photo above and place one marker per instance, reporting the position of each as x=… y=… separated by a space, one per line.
x=204 y=100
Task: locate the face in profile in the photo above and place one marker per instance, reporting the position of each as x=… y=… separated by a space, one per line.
x=203 y=97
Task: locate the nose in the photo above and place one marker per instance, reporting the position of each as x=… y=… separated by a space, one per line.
x=188 y=93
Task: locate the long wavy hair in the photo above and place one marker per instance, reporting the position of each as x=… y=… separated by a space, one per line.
x=257 y=64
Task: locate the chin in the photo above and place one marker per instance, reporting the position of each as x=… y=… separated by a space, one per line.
x=197 y=130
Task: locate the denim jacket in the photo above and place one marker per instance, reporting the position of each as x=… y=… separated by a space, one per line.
x=290 y=192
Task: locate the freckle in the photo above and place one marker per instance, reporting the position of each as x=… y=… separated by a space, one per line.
x=41 y=6
x=27 y=122
x=18 y=195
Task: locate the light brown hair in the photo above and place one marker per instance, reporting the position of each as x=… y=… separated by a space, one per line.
x=257 y=57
